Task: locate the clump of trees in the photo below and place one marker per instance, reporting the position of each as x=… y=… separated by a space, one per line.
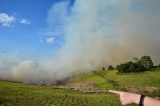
x=143 y=64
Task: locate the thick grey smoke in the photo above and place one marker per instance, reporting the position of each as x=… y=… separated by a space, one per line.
x=97 y=33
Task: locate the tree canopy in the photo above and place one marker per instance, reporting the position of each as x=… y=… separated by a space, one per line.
x=145 y=63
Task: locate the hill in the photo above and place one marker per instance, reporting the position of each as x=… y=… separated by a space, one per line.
x=87 y=89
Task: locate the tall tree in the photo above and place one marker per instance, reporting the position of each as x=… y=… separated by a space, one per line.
x=146 y=61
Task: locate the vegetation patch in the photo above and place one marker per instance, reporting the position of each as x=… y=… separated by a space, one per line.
x=143 y=64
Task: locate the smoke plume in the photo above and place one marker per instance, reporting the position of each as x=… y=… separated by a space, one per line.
x=97 y=33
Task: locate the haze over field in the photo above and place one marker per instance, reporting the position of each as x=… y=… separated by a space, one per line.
x=96 y=33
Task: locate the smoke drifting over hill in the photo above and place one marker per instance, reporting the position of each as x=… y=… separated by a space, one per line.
x=97 y=33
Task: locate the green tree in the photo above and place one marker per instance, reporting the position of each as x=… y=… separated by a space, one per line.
x=146 y=61
x=130 y=67
x=110 y=67
x=159 y=66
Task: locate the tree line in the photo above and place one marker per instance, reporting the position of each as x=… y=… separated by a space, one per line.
x=143 y=64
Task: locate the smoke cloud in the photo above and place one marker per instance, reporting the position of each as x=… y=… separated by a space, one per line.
x=97 y=33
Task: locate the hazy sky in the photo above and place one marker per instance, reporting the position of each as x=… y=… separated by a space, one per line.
x=53 y=39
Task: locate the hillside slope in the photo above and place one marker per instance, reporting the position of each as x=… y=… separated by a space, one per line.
x=147 y=83
x=18 y=94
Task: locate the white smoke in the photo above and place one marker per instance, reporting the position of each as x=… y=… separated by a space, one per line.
x=97 y=33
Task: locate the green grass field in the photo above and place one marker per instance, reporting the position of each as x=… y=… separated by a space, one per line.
x=18 y=94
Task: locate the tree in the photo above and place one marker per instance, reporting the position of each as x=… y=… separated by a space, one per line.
x=130 y=67
x=146 y=62
x=159 y=66
x=123 y=67
x=103 y=68
x=110 y=67
x=140 y=67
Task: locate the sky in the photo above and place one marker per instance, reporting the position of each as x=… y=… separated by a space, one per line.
x=25 y=30
x=54 y=39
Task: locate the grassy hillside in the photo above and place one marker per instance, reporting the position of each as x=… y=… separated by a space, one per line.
x=147 y=82
x=18 y=94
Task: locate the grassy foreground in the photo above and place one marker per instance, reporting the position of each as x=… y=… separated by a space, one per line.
x=18 y=94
